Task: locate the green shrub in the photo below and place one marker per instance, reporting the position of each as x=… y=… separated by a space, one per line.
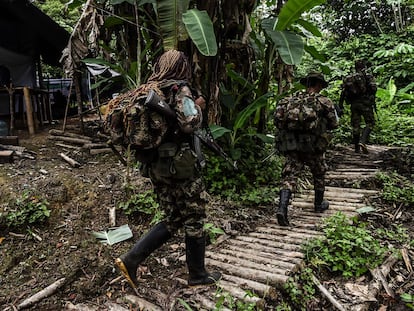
x=28 y=209
x=300 y=289
x=347 y=248
x=254 y=177
x=396 y=188
x=143 y=203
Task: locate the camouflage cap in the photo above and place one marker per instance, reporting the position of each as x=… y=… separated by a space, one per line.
x=314 y=76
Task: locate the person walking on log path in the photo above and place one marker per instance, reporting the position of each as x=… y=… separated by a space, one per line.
x=172 y=164
x=358 y=90
x=303 y=121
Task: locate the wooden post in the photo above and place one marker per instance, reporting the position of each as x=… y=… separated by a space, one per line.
x=11 y=102
x=29 y=110
x=77 y=76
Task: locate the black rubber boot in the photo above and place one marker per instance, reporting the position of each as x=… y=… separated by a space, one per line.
x=282 y=211
x=129 y=262
x=195 y=249
x=364 y=139
x=355 y=140
x=321 y=205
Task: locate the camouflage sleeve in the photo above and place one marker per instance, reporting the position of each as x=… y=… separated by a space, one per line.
x=329 y=112
x=189 y=115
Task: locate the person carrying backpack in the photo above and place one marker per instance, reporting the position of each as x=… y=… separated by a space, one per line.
x=358 y=90
x=303 y=121
x=171 y=163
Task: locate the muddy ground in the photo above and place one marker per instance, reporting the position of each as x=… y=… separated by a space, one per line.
x=31 y=258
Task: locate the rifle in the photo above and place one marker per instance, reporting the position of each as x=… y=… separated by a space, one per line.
x=207 y=139
x=154 y=102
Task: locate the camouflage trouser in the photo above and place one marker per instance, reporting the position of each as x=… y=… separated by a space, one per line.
x=294 y=165
x=361 y=109
x=184 y=205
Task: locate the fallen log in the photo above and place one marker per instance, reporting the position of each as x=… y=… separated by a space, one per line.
x=95 y=145
x=327 y=294
x=68 y=146
x=71 y=161
x=55 y=132
x=76 y=141
x=380 y=276
x=46 y=292
x=141 y=303
x=100 y=150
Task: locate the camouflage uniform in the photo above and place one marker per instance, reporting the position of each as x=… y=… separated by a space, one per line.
x=183 y=199
x=174 y=172
x=362 y=105
x=296 y=160
x=303 y=121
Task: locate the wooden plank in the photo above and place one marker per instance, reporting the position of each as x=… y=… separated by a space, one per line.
x=259 y=288
x=6 y=156
x=270 y=243
x=249 y=273
x=9 y=140
x=294 y=256
x=248 y=260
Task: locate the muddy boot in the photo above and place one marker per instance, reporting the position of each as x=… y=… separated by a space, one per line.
x=282 y=217
x=364 y=139
x=355 y=140
x=128 y=263
x=321 y=205
x=195 y=249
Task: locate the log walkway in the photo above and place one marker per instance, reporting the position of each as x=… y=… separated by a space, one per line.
x=260 y=261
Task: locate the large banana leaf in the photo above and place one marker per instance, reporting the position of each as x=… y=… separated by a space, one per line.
x=292 y=10
x=200 y=29
x=289 y=45
x=170 y=21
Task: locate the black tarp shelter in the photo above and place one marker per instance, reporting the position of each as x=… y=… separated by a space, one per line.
x=28 y=37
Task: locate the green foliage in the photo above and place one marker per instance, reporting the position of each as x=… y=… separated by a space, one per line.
x=347 y=248
x=408 y=299
x=395 y=234
x=225 y=300
x=396 y=188
x=29 y=209
x=300 y=289
x=212 y=231
x=200 y=29
x=254 y=183
x=143 y=203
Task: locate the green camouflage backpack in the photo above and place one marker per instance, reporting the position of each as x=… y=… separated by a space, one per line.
x=298 y=112
x=129 y=122
x=298 y=122
x=355 y=86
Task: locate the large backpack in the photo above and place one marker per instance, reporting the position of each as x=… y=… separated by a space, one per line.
x=298 y=112
x=355 y=86
x=299 y=124
x=129 y=122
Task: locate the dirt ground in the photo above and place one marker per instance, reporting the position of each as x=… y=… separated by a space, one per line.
x=80 y=199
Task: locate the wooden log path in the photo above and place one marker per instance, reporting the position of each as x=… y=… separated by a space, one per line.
x=261 y=261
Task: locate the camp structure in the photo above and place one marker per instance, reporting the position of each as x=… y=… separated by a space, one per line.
x=28 y=38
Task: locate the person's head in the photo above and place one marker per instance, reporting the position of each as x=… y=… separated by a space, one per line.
x=360 y=64
x=172 y=65
x=314 y=81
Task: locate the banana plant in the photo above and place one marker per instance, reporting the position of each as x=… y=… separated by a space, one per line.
x=288 y=43
x=177 y=22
